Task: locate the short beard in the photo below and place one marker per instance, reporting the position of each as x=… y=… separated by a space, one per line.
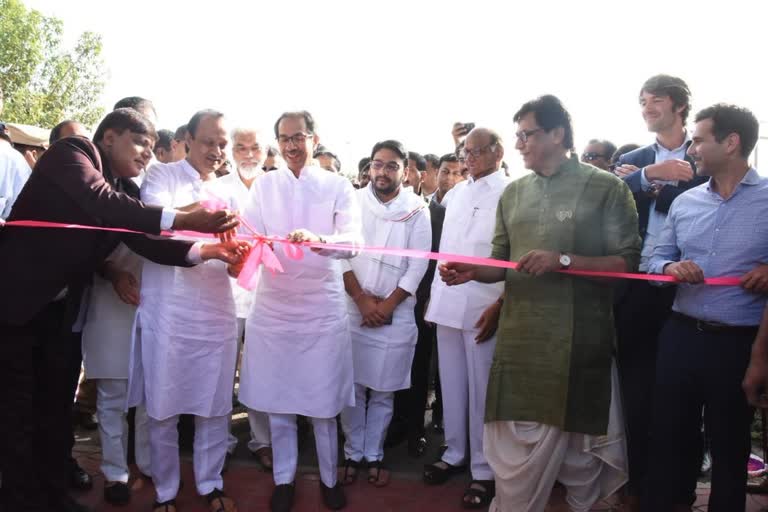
x=250 y=172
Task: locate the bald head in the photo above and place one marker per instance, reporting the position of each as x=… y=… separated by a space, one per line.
x=483 y=152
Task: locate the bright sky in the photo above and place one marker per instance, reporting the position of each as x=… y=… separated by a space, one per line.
x=408 y=69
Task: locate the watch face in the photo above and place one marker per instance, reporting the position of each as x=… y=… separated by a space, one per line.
x=565 y=260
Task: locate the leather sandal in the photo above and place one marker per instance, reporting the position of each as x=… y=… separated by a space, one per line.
x=379 y=477
x=165 y=506
x=349 y=474
x=436 y=475
x=479 y=498
x=220 y=502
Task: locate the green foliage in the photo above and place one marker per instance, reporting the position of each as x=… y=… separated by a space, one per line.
x=42 y=83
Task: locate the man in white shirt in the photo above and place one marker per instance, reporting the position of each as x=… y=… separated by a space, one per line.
x=467 y=317
x=298 y=354
x=249 y=149
x=381 y=290
x=186 y=346
x=14 y=172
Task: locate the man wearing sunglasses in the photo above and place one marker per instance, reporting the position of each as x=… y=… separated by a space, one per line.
x=598 y=153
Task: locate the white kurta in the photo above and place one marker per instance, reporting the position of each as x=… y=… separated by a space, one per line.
x=187 y=344
x=297 y=357
x=109 y=321
x=470 y=220
x=383 y=355
x=239 y=195
x=14 y=173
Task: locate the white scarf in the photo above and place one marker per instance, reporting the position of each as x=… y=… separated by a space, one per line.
x=393 y=232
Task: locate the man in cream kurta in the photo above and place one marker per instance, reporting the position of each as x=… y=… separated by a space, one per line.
x=298 y=354
x=106 y=341
x=467 y=315
x=381 y=304
x=249 y=150
x=185 y=349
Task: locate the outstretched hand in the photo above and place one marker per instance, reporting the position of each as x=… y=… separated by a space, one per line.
x=233 y=252
x=453 y=273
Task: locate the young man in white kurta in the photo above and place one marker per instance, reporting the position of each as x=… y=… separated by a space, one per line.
x=248 y=152
x=383 y=352
x=298 y=355
x=106 y=341
x=465 y=351
x=187 y=343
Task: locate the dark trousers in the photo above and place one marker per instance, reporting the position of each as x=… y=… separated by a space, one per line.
x=640 y=316
x=36 y=400
x=697 y=373
x=410 y=404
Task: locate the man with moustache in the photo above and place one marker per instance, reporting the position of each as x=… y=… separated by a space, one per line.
x=552 y=411
x=298 y=325
x=656 y=174
x=185 y=346
x=75 y=182
x=429 y=176
x=449 y=174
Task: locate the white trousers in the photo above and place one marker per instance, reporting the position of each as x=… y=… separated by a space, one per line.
x=231 y=439
x=286 y=452
x=210 y=448
x=464 y=368
x=527 y=458
x=365 y=429
x=259 y=422
x=111 y=397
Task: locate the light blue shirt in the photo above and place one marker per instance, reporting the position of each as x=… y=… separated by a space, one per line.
x=656 y=218
x=725 y=237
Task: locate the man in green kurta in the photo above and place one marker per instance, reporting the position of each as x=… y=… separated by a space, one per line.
x=552 y=410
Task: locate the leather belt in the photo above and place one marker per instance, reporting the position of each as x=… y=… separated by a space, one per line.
x=705 y=326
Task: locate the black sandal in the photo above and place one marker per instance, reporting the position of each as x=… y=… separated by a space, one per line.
x=484 y=496
x=435 y=475
x=377 y=480
x=167 y=506
x=351 y=468
x=223 y=502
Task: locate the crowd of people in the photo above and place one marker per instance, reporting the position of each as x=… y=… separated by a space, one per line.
x=545 y=377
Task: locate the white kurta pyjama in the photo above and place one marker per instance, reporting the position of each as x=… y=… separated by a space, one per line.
x=464 y=364
x=383 y=355
x=187 y=343
x=298 y=356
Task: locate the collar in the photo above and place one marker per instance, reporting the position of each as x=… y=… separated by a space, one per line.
x=686 y=142
x=189 y=170
x=750 y=178
x=494 y=178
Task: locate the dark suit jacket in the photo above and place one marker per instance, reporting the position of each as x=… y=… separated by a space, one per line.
x=71 y=185
x=642 y=157
x=437 y=216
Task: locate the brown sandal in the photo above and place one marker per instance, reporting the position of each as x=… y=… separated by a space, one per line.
x=165 y=506
x=378 y=474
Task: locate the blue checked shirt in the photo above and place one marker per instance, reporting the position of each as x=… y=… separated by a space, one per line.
x=724 y=238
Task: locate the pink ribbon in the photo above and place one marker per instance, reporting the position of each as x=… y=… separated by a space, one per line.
x=263 y=254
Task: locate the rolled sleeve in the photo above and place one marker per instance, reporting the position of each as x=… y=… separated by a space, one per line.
x=666 y=250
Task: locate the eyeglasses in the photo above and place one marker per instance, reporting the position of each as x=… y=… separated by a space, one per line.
x=297 y=138
x=524 y=135
x=378 y=165
x=475 y=153
x=589 y=157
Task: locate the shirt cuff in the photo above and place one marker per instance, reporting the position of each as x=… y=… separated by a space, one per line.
x=167 y=218
x=193 y=255
x=657 y=266
x=644 y=183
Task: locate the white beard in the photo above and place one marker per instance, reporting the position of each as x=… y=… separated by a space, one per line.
x=249 y=173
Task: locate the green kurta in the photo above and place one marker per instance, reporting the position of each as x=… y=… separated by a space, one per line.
x=556 y=336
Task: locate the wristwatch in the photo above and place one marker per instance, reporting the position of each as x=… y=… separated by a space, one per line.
x=565 y=261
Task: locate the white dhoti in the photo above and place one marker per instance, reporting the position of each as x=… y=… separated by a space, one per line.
x=113 y=431
x=529 y=457
x=365 y=427
x=464 y=368
x=209 y=451
x=286 y=449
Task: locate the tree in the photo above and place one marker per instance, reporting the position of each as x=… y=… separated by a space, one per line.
x=41 y=82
